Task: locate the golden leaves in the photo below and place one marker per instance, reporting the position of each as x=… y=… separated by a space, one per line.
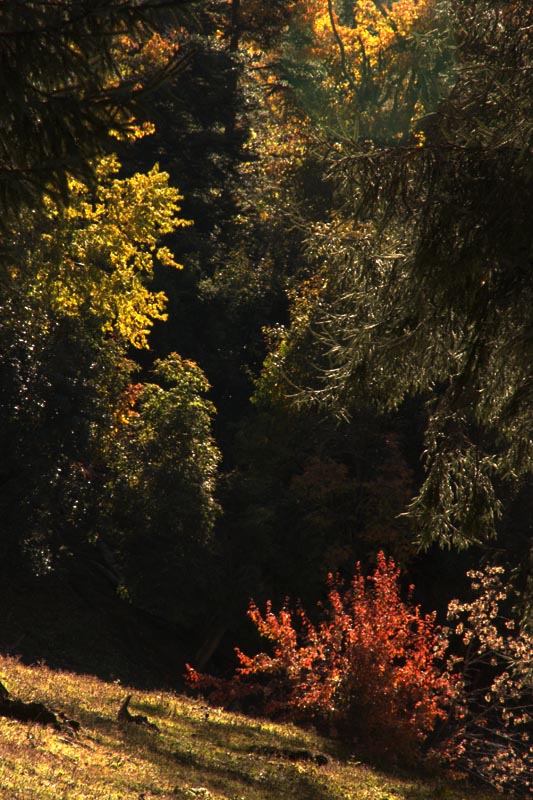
x=99 y=253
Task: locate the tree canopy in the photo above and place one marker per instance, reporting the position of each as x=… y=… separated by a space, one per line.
x=425 y=273
x=64 y=98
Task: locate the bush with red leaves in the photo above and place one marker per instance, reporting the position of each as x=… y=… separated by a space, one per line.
x=369 y=670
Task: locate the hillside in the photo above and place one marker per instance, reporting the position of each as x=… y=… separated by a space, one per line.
x=197 y=752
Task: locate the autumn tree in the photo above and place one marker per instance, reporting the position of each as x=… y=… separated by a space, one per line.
x=79 y=247
x=77 y=300
x=370 y=668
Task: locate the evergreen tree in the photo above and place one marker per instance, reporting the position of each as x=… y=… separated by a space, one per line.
x=63 y=97
x=427 y=272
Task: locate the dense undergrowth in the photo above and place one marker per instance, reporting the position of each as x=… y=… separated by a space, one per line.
x=197 y=751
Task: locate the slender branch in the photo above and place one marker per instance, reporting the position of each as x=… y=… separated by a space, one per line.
x=342 y=50
x=384 y=13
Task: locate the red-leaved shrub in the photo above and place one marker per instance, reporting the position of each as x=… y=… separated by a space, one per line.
x=370 y=669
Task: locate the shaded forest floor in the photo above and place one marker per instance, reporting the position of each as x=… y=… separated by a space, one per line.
x=196 y=752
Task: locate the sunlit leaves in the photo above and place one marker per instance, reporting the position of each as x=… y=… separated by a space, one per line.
x=370 y=667
x=97 y=255
x=491 y=738
x=372 y=30
x=375 y=73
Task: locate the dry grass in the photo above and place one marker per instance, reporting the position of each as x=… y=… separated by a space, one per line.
x=197 y=753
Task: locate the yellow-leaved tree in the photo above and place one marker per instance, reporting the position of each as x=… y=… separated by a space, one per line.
x=369 y=62
x=97 y=255
x=76 y=296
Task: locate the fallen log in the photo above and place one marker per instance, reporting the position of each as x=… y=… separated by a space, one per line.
x=33 y=712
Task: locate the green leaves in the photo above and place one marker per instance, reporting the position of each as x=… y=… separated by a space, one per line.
x=426 y=275
x=162 y=462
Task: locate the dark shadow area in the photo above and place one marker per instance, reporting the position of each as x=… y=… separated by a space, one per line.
x=78 y=623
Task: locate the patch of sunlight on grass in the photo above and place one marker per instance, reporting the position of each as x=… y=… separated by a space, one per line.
x=198 y=752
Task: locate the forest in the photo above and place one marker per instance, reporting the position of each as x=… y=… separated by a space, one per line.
x=266 y=394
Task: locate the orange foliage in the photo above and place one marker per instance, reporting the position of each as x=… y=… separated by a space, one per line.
x=370 y=668
x=153 y=57
x=376 y=27
x=125 y=410
x=368 y=61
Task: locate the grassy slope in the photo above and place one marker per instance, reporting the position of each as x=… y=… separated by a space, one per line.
x=198 y=753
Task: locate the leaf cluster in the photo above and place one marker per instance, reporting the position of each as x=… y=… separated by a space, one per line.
x=426 y=273
x=96 y=256
x=491 y=739
x=63 y=95
x=369 y=668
